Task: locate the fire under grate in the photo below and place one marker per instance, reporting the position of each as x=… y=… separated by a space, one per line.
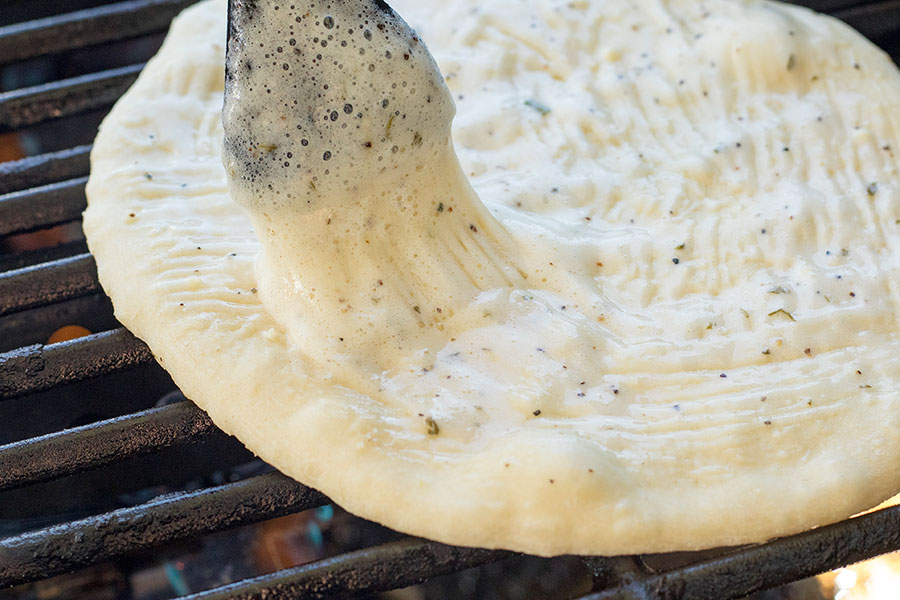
x=57 y=285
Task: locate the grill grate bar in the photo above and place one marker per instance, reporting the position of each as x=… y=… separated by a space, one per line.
x=86 y=27
x=61 y=548
x=44 y=168
x=43 y=206
x=39 y=367
x=377 y=569
x=828 y=6
x=93 y=312
x=27 y=106
x=31 y=258
x=48 y=283
x=739 y=573
x=874 y=21
x=90 y=446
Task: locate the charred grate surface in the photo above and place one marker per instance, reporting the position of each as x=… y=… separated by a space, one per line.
x=47 y=283
x=43 y=366
x=87 y=27
x=385 y=567
x=91 y=446
x=41 y=170
x=62 y=548
x=732 y=575
x=41 y=207
x=47 y=190
x=20 y=108
x=756 y=568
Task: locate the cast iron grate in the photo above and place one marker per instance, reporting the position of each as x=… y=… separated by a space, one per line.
x=58 y=284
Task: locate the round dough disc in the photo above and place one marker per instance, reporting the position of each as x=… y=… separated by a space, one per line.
x=721 y=178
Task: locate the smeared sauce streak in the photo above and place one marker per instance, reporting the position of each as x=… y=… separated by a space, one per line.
x=337 y=142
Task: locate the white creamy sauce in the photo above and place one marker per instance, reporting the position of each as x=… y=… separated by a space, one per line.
x=712 y=227
x=337 y=141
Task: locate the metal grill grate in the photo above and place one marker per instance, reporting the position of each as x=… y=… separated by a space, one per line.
x=57 y=285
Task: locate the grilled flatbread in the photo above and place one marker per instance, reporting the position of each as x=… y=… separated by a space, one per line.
x=689 y=336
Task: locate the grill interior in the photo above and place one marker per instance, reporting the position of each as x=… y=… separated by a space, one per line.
x=102 y=461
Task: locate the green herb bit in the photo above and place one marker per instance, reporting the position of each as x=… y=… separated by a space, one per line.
x=433 y=428
x=779 y=290
x=538 y=106
x=680 y=246
x=792 y=62
x=784 y=312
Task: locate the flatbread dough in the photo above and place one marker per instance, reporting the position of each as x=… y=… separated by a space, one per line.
x=709 y=352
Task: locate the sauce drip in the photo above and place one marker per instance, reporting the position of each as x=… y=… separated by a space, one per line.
x=337 y=143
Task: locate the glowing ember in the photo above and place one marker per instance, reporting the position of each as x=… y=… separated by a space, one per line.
x=876 y=579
